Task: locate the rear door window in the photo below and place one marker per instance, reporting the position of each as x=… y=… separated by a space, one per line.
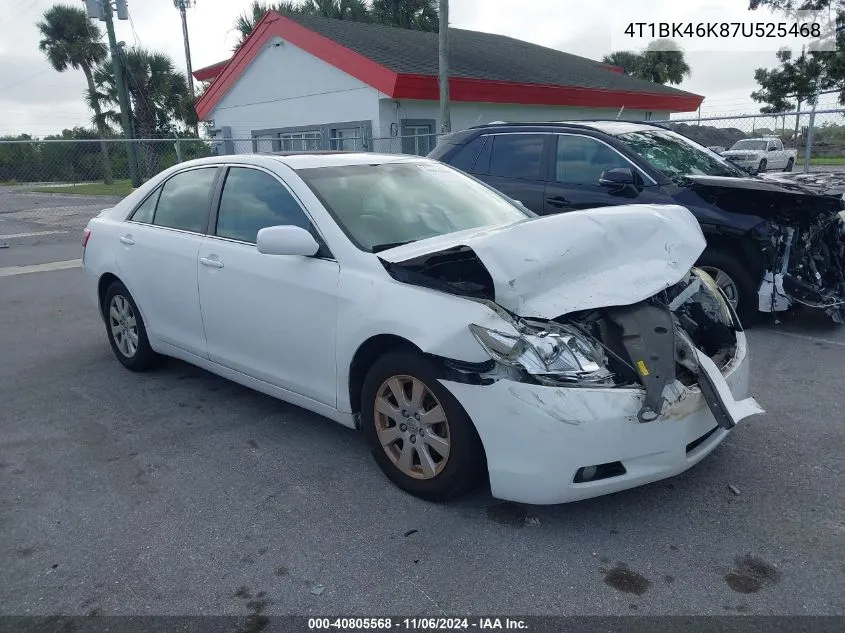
x=464 y=158
x=185 y=200
x=517 y=156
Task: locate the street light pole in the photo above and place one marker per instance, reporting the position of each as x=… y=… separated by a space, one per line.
x=122 y=96
x=445 y=116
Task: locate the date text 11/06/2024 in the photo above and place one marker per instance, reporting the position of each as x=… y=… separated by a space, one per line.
x=416 y=624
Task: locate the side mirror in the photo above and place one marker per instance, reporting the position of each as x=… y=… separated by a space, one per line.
x=621 y=180
x=286 y=240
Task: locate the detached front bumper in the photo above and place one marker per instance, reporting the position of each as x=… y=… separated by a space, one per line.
x=538 y=438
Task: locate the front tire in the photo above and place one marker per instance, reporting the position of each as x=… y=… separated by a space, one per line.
x=732 y=277
x=761 y=169
x=126 y=331
x=420 y=436
x=789 y=164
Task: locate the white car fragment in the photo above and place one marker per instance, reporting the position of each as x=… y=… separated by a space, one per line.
x=561 y=357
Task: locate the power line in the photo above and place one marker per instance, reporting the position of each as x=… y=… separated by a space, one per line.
x=25 y=79
x=21 y=12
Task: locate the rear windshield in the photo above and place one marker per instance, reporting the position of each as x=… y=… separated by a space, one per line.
x=385 y=205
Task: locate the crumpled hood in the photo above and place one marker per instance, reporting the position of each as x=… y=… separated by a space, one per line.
x=549 y=266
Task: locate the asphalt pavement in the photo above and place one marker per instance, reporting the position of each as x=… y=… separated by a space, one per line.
x=179 y=493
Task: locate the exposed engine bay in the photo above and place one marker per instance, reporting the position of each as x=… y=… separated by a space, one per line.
x=653 y=343
x=805 y=265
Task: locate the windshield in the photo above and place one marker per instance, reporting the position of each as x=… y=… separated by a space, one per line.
x=677 y=156
x=761 y=145
x=381 y=206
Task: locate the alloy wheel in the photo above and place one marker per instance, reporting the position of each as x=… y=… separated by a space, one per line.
x=725 y=282
x=412 y=427
x=123 y=325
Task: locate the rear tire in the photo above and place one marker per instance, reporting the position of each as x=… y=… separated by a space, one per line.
x=405 y=442
x=789 y=164
x=761 y=169
x=716 y=261
x=126 y=331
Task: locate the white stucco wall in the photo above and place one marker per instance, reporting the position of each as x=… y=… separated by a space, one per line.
x=285 y=86
x=465 y=115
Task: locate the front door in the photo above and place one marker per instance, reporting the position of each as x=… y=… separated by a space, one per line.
x=268 y=316
x=579 y=162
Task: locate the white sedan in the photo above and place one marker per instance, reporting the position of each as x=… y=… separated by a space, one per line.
x=559 y=357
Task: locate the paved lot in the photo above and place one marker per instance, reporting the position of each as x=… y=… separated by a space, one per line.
x=28 y=218
x=180 y=493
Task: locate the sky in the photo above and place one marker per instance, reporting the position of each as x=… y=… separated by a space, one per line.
x=38 y=100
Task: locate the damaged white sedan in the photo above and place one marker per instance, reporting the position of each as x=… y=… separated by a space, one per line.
x=561 y=357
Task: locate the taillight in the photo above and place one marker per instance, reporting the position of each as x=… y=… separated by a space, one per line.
x=86 y=235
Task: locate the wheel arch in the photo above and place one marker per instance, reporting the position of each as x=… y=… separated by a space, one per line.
x=367 y=353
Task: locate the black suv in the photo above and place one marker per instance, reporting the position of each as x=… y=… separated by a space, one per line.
x=770 y=244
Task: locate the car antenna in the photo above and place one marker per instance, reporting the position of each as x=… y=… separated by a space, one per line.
x=619 y=114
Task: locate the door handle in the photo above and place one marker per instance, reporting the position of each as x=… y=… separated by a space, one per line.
x=558 y=201
x=211 y=262
x=127 y=239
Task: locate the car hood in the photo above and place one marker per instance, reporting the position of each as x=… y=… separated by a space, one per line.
x=550 y=266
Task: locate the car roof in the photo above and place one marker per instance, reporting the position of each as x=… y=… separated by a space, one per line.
x=612 y=127
x=308 y=160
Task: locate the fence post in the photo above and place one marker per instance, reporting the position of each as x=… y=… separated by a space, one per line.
x=178 y=146
x=808 y=150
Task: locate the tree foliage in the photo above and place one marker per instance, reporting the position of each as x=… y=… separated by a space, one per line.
x=421 y=15
x=655 y=64
x=69 y=39
x=802 y=77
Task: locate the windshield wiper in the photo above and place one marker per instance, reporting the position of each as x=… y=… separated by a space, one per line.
x=378 y=248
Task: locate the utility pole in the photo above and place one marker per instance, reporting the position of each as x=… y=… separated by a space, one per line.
x=182 y=5
x=445 y=117
x=102 y=9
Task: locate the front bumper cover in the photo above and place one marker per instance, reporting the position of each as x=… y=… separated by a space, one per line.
x=536 y=438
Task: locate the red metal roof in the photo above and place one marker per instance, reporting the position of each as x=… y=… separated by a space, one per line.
x=398 y=83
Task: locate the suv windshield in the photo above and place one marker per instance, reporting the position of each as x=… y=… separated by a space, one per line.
x=389 y=204
x=677 y=156
x=748 y=144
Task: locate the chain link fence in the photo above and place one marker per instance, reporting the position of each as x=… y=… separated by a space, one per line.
x=818 y=136
x=53 y=187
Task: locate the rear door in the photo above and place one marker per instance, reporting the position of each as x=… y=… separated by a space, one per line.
x=578 y=163
x=516 y=165
x=157 y=257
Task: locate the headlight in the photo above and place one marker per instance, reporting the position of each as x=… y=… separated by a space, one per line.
x=712 y=299
x=550 y=352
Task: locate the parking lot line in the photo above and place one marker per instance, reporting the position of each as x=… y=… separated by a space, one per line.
x=32 y=234
x=804 y=337
x=10 y=271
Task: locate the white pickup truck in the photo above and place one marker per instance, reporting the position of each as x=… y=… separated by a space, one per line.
x=760 y=154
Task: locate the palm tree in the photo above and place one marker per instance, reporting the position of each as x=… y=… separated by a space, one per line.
x=657 y=63
x=70 y=40
x=419 y=15
x=245 y=24
x=161 y=103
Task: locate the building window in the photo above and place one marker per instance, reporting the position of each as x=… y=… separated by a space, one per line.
x=419 y=139
x=307 y=141
x=347 y=139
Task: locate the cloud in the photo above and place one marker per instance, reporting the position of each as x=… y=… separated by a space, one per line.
x=50 y=101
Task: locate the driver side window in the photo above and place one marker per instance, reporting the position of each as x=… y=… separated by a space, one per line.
x=581 y=160
x=253 y=200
